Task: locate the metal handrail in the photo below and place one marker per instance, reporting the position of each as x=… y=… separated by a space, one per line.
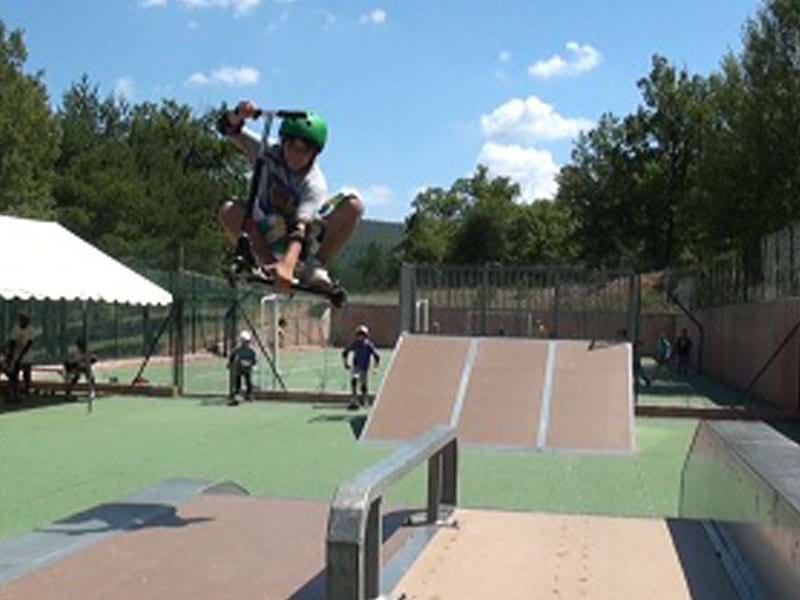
x=355 y=534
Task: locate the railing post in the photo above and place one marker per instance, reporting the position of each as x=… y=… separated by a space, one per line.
x=344 y=571
x=355 y=536
x=372 y=550
x=434 y=486
x=450 y=473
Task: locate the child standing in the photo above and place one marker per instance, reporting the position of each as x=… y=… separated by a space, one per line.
x=241 y=364
x=363 y=351
x=79 y=362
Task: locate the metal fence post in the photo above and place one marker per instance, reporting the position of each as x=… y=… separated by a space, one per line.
x=408 y=297
x=484 y=298
x=556 y=296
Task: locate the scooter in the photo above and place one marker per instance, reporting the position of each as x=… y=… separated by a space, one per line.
x=243 y=267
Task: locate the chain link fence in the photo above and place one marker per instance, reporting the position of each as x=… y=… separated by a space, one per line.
x=540 y=302
x=769 y=272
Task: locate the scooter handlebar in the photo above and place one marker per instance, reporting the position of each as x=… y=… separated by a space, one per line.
x=282 y=114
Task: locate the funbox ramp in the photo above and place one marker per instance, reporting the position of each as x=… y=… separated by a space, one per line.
x=562 y=395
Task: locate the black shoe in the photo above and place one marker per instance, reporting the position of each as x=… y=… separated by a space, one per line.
x=352 y=406
x=233 y=402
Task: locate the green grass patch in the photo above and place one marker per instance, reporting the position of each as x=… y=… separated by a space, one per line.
x=58 y=460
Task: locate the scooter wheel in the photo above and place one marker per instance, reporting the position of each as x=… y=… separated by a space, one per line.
x=338 y=297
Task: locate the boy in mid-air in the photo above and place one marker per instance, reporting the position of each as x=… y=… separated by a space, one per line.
x=291 y=194
x=241 y=364
x=363 y=351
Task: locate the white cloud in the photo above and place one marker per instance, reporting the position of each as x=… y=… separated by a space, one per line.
x=374 y=17
x=373 y=196
x=513 y=134
x=533 y=169
x=529 y=121
x=240 y=7
x=583 y=58
x=152 y=3
x=124 y=87
x=504 y=56
x=230 y=76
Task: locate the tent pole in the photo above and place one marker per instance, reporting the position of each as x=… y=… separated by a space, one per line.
x=276 y=374
x=154 y=344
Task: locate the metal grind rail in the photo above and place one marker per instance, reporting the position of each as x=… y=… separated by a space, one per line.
x=354 y=537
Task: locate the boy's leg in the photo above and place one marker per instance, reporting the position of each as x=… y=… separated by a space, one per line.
x=339 y=226
x=364 y=376
x=353 y=389
x=89 y=374
x=230 y=217
x=248 y=383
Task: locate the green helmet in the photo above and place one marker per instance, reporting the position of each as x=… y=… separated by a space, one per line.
x=311 y=128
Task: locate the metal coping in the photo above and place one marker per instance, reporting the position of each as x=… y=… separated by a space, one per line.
x=547 y=392
x=379 y=393
x=463 y=384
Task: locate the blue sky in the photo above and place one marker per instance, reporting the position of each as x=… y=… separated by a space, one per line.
x=416 y=92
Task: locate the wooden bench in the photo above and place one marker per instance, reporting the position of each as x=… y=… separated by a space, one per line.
x=106 y=389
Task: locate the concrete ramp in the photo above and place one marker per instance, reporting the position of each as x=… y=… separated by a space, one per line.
x=508 y=393
x=526 y=555
x=219 y=544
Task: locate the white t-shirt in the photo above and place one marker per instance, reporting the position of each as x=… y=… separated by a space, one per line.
x=284 y=198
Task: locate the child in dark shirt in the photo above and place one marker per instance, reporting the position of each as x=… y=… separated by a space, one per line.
x=363 y=351
x=241 y=364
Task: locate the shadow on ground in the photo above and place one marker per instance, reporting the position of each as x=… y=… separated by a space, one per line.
x=121 y=516
x=356 y=421
x=669 y=388
x=315 y=588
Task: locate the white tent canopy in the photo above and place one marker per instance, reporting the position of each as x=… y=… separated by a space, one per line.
x=42 y=260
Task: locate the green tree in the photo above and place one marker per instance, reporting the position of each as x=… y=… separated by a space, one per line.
x=432 y=226
x=29 y=134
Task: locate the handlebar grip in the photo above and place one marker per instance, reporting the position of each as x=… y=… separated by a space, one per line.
x=289 y=114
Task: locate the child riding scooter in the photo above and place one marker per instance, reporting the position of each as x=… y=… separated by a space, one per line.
x=287 y=232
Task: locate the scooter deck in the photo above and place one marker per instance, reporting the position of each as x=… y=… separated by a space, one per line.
x=336 y=295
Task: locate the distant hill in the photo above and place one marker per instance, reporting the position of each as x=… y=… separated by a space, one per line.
x=386 y=234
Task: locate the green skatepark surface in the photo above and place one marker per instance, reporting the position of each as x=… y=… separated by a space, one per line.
x=58 y=460
x=313 y=369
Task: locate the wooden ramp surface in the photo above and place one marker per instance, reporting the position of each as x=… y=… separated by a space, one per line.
x=420 y=389
x=591 y=406
x=509 y=393
x=215 y=547
x=523 y=556
x=502 y=404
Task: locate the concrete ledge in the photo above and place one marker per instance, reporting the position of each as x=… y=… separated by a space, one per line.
x=745 y=476
x=731 y=413
x=155 y=504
